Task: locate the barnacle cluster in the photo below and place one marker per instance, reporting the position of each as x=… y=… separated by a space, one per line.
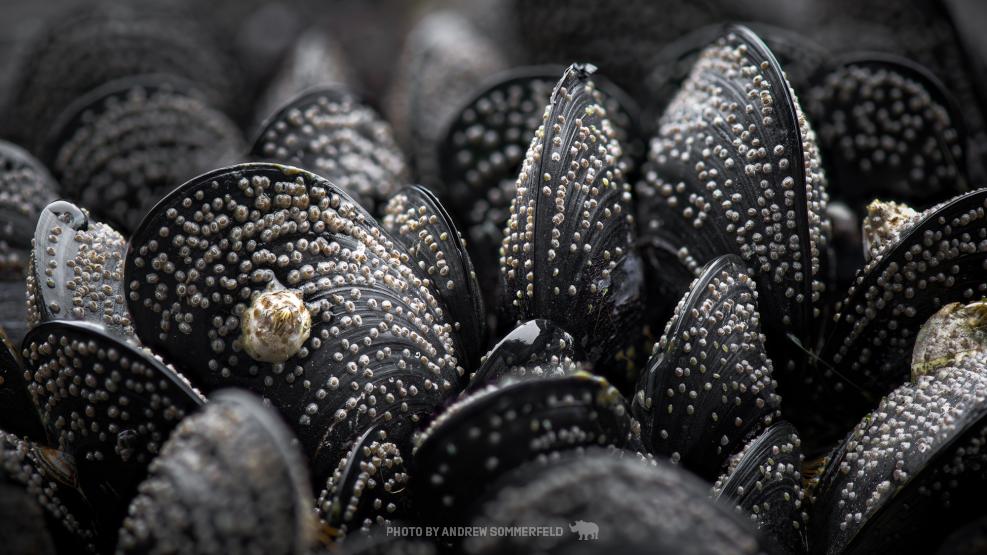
x=584 y=277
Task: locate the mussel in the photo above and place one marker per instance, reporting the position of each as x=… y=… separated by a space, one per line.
x=272 y=279
x=329 y=131
x=42 y=510
x=228 y=480
x=120 y=148
x=25 y=188
x=734 y=169
x=499 y=428
x=567 y=250
x=708 y=388
x=107 y=403
x=911 y=471
x=764 y=482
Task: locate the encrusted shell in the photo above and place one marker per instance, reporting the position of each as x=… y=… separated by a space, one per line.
x=734 y=169
x=330 y=132
x=708 y=386
x=501 y=427
x=380 y=347
x=938 y=259
x=233 y=457
x=42 y=507
x=566 y=253
x=912 y=470
x=26 y=188
x=122 y=147
x=887 y=128
x=534 y=349
x=76 y=271
x=107 y=403
x=437 y=251
x=764 y=482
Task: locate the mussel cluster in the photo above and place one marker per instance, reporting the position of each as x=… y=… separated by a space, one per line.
x=600 y=277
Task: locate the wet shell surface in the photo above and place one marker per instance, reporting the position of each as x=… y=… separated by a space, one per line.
x=888 y=129
x=708 y=386
x=235 y=455
x=437 y=250
x=764 y=482
x=122 y=147
x=105 y=402
x=41 y=505
x=910 y=472
x=635 y=506
x=370 y=488
x=734 y=169
x=330 y=132
x=534 y=349
x=380 y=346
x=566 y=253
x=77 y=271
x=501 y=427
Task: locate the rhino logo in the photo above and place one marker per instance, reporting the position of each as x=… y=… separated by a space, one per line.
x=586 y=530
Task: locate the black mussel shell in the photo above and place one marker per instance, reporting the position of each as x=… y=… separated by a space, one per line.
x=314 y=60
x=369 y=490
x=76 y=271
x=764 y=482
x=443 y=62
x=18 y=415
x=228 y=480
x=734 y=169
x=888 y=129
x=534 y=349
x=41 y=508
x=800 y=57
x=330 y=132
x=918 y=30
x=437 y=250
x=597 y=501
x=501 y=427
x=484 y=146
x=708 y=386
x=25 y=188
x=84 y=48
x=567 y=250
x=107 y=403
x=272 y=279
x=122 y=147
x=912 y=470
x=933 y=261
